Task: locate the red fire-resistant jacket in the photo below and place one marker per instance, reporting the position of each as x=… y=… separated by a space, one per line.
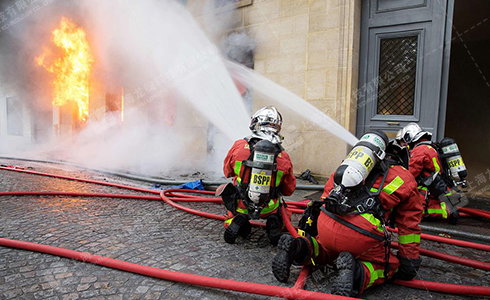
x=240 y=151
x=399 y=196
x=424 y=160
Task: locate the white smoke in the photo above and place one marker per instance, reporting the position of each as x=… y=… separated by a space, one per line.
x=175 y=84
x=239 y=47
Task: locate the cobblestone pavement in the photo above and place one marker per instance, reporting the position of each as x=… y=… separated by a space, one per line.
x=154 y=234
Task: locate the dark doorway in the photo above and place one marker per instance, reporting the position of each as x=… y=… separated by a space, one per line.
x=468 y=101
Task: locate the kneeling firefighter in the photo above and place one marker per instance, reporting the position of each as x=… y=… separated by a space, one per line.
x=438 y=169
x=262 y=171
x=347 y=228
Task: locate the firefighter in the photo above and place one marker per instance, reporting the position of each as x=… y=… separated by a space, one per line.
x=262 y=171
x=425 y=166
x=370 y=187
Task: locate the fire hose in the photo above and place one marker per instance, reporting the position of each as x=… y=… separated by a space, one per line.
x=178 y=197
x=292 y=230
x=138 y=177
x=232 y=285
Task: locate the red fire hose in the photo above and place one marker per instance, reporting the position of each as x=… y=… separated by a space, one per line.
x=428 y=285
x=446 y=287
x=83 y=180
x=476 y=212
x=445 y=240
x=179 y=197
x=195 y=211
x=451 y=258
x=219 y=283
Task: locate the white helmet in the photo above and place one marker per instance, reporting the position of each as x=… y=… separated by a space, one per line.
x=266 y=124
x=412 y=133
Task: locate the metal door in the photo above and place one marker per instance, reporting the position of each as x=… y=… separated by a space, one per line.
x=401 y=65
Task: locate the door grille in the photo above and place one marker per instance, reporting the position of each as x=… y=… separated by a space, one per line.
x=396 y=81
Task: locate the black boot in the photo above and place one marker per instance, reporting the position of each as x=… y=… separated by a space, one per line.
x=273 y=227
x=239 y=225
x=453 y=218
x=350 y=277
x=290 y=251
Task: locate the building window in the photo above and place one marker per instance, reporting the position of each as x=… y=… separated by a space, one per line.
x=396 y=81
x=15 y=117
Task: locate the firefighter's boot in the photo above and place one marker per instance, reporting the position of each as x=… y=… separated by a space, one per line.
x=273 y=227
x=350 y=277
x=239 y=226
x=453 y=218
x=289 y=251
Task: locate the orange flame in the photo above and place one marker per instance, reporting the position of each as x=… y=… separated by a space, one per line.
x=73 y=69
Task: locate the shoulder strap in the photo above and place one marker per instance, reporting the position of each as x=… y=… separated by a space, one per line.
x=381 y=169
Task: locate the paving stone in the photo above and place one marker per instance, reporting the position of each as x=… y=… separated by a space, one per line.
x=44 y=294
x=83 y=287
x=63 y=275
x=89 y=294
x=88 y=279
x=11 y=294
x=154 y=234
x=32 y=288
x=72 y=296
x=142 y=289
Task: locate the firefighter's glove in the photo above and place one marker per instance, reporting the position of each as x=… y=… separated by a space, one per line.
x=438 y=187
x=408 y=268
x=315 y=204
x=454 y=199
x=309 y=218
x=229 y=193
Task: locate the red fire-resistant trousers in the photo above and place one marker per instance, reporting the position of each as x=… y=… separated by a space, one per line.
x=334 y=238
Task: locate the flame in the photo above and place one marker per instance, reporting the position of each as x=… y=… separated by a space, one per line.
x=72 y=69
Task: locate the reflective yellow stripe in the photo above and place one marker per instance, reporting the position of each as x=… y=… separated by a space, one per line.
x=442 y=211
x=228 y=221
x=278 y=177
x=436 y=165
x=393 y=186
x=270 y=207
x=238 y=167
x=373 y=220
x=375 y=275
x=242 y=210
x=315 y=247
x=409 y=238
x=373 y=190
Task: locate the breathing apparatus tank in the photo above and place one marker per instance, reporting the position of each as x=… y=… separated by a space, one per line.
x=259 y=186
x=456 y=168
x=350 y=175
x=361 y=159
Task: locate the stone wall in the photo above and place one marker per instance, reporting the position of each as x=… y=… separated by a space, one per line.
x=311 y=47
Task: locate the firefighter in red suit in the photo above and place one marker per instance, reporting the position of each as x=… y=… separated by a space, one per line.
x=265 y=126
x=426 y=167
x=353 y=236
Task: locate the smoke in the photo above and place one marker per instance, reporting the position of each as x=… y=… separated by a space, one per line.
x=239 y=47
x=174 y=79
